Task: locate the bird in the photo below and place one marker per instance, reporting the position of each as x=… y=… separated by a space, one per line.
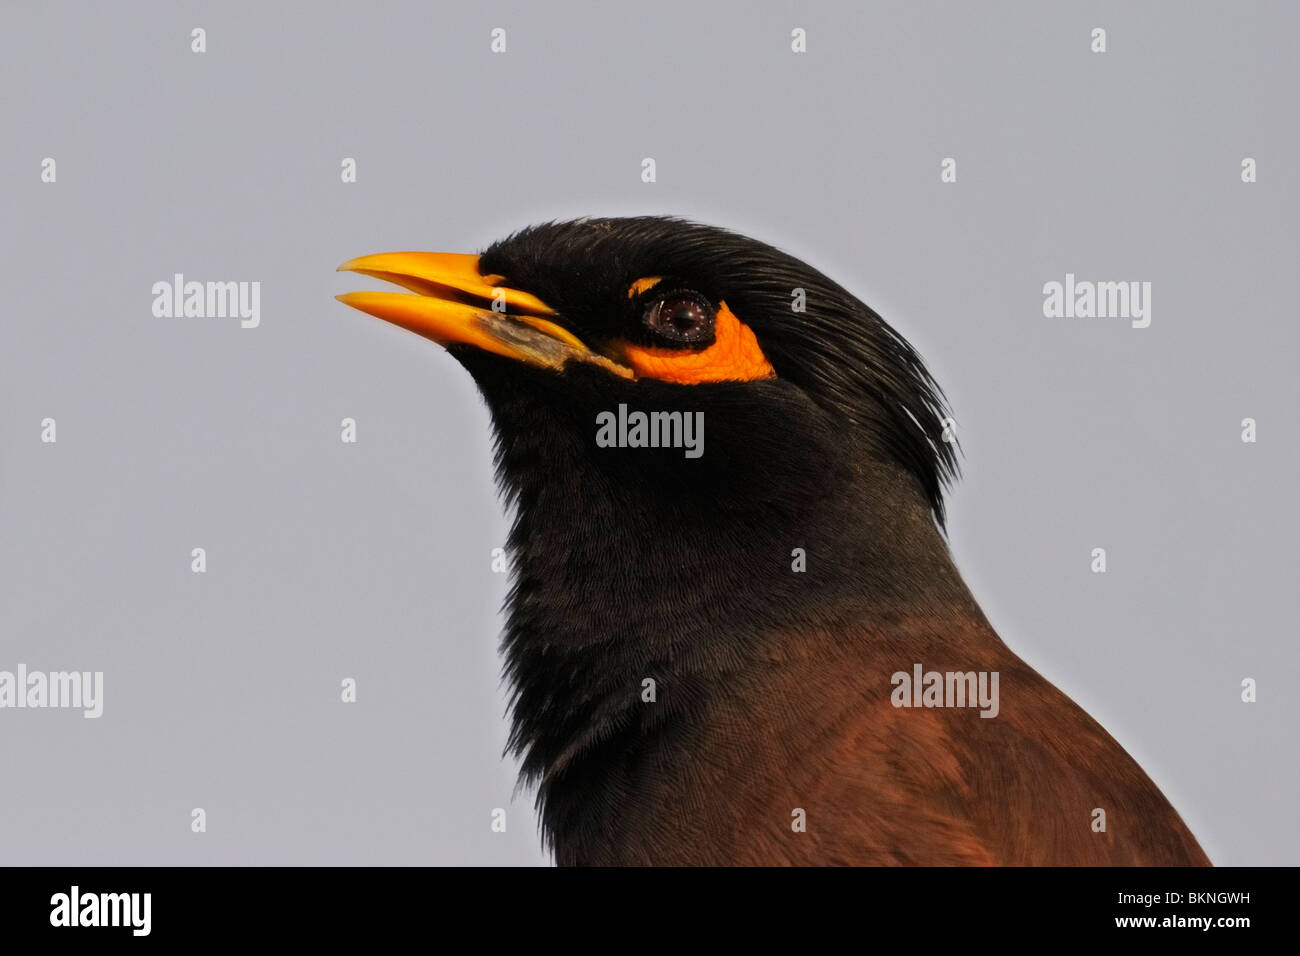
x=707 y=648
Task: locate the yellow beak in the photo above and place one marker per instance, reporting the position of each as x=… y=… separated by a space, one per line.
x=455 y=304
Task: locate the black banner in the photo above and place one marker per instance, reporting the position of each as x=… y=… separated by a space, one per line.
x=90 y=905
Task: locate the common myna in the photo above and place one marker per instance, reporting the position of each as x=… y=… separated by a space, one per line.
x=735 y=633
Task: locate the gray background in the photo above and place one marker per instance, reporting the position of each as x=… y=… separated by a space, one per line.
x=373 y=561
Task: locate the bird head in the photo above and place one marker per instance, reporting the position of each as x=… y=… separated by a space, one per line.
x=666 y=314
x=822 y=435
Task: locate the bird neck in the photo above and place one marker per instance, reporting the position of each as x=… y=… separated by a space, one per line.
x=647 y=583
x=627 y=620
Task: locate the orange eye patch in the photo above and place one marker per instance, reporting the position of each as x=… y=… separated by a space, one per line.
x=734 y=356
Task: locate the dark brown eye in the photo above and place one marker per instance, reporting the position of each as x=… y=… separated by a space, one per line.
x=681 y=317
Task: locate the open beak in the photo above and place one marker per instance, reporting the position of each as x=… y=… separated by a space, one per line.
x=454 y=304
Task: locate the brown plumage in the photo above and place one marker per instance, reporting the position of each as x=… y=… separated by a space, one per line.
x=887 y=786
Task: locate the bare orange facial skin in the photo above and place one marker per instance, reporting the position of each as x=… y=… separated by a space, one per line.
x=643 y=285
x=734 y=356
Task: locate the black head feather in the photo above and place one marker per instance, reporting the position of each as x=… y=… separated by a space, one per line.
x=839 y=351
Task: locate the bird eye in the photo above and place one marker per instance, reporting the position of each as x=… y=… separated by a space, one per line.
x=681 y=317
